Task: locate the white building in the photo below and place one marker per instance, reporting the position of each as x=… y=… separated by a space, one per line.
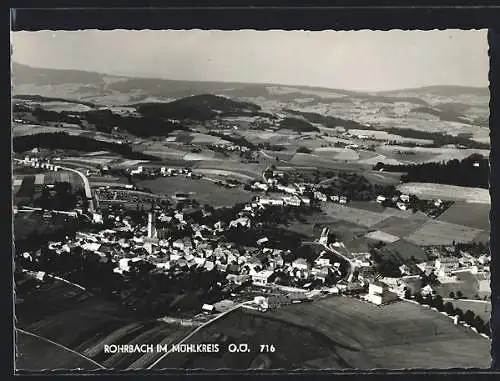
x=300 y=264
x=381 y=199
x=292 y=201
x=262 y=277
x=404 y=198
x=320 y=196
x=271 y=201
x=378 y=293
x=401 y=205
x=286 y=189
x=447 y=264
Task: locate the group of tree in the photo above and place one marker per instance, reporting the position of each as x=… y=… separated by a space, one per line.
x=472 y=171
x=327 y=121
x=63 y=140
x=197 y=107
x=436 y=301
x=61 y=197
x=297 y=125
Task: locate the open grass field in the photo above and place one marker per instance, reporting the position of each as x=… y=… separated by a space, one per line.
x=398 y=226
x=473 y=215
x=434 y=233
x=371 y=161
x=378 y=235
x=247 y=169
x=424 y=154
x=310 y=160
x=480 y=308
x=337 y=153
x=407 y=250
x=446 y=192
x=84 y=323
x=383 y=178
x=34 y=353
x=353 y=215
x=340 y=333
x=206 y=192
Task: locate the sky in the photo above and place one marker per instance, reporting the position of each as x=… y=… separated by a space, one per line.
x=352 y=60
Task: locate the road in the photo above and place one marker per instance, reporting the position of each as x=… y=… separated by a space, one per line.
x=337 y=253
x=86 y=184
x=221 y=315
x=61 y=347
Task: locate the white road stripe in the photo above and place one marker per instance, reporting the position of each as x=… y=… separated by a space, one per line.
x=39 y=179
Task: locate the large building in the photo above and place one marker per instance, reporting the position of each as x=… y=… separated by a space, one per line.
x=378 y=293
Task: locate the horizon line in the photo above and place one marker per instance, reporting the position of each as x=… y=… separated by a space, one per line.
x=148 y=77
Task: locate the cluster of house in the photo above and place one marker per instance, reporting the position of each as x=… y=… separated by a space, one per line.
x=37 y=162
x=402 y=201
x=230 y=147
x=445 y=267
x=126 y=244
x=163 y=171
x=294 y=193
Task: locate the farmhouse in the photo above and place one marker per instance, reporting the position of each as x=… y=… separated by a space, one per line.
x=447 y=265
x=378 y=293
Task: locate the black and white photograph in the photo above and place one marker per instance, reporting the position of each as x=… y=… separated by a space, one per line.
x=209 y=199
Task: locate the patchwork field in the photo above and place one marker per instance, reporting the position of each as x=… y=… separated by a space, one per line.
x=24 y=185
x=388 y=224
x=340 y=333
x=433 y=233
x=468 y=214
x=204 y=191
x=446 y=192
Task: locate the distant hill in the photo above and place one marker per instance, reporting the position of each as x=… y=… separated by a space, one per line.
x=98 y=84
x=23 y=74
x=197 y=107
x=447 y=91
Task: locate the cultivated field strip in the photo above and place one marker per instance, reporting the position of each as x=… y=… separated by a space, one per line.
x=446 y=192
x=353 y=215
x=468 y=214
x=434 y=233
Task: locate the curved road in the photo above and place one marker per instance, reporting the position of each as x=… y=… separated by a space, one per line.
x=85 y=180
x=339 y=254
x=61 y=347
x=197 y=330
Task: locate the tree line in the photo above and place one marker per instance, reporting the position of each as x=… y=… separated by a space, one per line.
x=436 y=301
x=62 y=140
x=472 y=171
